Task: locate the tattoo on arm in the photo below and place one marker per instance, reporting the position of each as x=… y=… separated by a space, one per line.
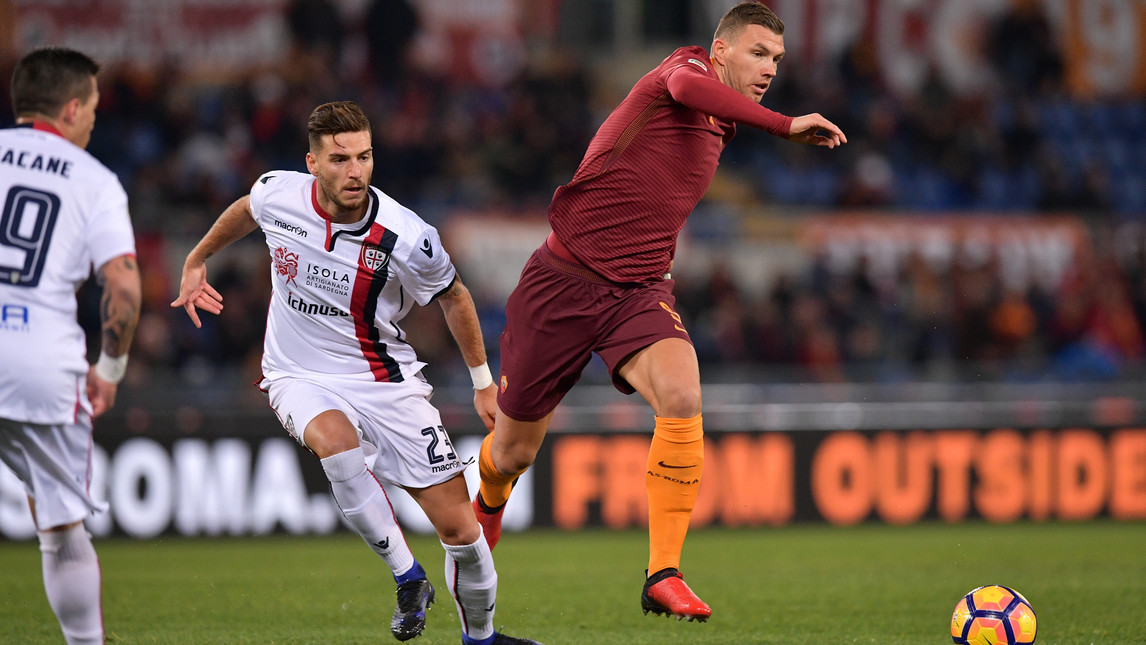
x=119 y=305
x=454 y=290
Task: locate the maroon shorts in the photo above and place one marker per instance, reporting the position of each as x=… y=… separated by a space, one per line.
x=558 y=315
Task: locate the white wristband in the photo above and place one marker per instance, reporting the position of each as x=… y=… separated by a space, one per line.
x=111 y=369
x=481 y=376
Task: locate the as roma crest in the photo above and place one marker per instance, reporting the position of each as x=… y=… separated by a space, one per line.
x=374 y=258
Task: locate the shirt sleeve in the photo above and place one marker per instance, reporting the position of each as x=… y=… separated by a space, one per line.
x=259 y=194
x=110 y=233
x=690 y=87
x=428 y=270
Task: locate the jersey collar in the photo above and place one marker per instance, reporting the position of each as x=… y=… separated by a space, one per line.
x=332 y=235
x=314 y=201
x=42 y=126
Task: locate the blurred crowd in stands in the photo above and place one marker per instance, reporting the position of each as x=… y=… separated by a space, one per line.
x=958 y=322
x=186 y=147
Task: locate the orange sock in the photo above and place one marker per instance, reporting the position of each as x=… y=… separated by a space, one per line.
x=672 y=479
x=495 y=487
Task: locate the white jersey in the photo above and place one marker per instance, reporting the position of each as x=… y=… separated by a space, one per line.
x=339 y=290
x=63 y=214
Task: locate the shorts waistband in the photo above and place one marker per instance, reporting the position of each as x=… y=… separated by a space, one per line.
x=554 y=253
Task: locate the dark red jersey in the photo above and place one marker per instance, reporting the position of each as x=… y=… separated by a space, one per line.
x=648 y=165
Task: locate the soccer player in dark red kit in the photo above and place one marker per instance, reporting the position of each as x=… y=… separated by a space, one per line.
x=600 y=282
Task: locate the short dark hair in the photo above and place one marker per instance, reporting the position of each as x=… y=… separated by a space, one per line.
x=748 y=13
x=335 y=118
x=45 y=79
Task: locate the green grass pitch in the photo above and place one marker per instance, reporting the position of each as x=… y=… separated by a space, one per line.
x=798 y=584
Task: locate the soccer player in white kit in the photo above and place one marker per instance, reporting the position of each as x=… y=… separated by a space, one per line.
x=63 y=214
x=348 y=263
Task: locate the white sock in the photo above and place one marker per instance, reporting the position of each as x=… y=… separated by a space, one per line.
x=72 y=583
x=472 y=580
x=366 y=507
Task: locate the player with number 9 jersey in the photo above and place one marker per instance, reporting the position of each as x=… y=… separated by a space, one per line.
x=63 y=213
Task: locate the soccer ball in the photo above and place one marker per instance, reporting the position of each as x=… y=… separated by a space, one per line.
x=993 y=615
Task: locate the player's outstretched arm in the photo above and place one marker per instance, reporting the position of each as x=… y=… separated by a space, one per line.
x=461 y=317
x=707 y=95
x=710 y=96
x=808 y=129
x=119 y=316
x=194 y=292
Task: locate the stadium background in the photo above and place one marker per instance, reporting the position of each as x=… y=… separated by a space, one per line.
x=942 y=320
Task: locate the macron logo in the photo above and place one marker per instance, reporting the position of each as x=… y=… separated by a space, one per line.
x=297 y=230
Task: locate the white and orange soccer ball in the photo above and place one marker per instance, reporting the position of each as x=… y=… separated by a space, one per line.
x=993 y=615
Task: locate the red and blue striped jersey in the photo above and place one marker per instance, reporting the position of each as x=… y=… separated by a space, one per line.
x=340 y=290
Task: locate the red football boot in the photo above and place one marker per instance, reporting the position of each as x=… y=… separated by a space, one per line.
x=490 y=520
x=666 y=593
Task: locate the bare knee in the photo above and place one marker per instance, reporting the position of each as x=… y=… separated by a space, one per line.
x=329 y=434
x=514 y=459
x=447 y=505
x=459 y=533
x=515 y=443
x=61 y=528
x=681 y=401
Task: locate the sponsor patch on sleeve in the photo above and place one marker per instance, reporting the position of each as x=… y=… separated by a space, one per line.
x=698 y=64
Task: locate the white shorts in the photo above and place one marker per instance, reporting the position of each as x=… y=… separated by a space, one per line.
x=54 y=462
x=400 y=431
